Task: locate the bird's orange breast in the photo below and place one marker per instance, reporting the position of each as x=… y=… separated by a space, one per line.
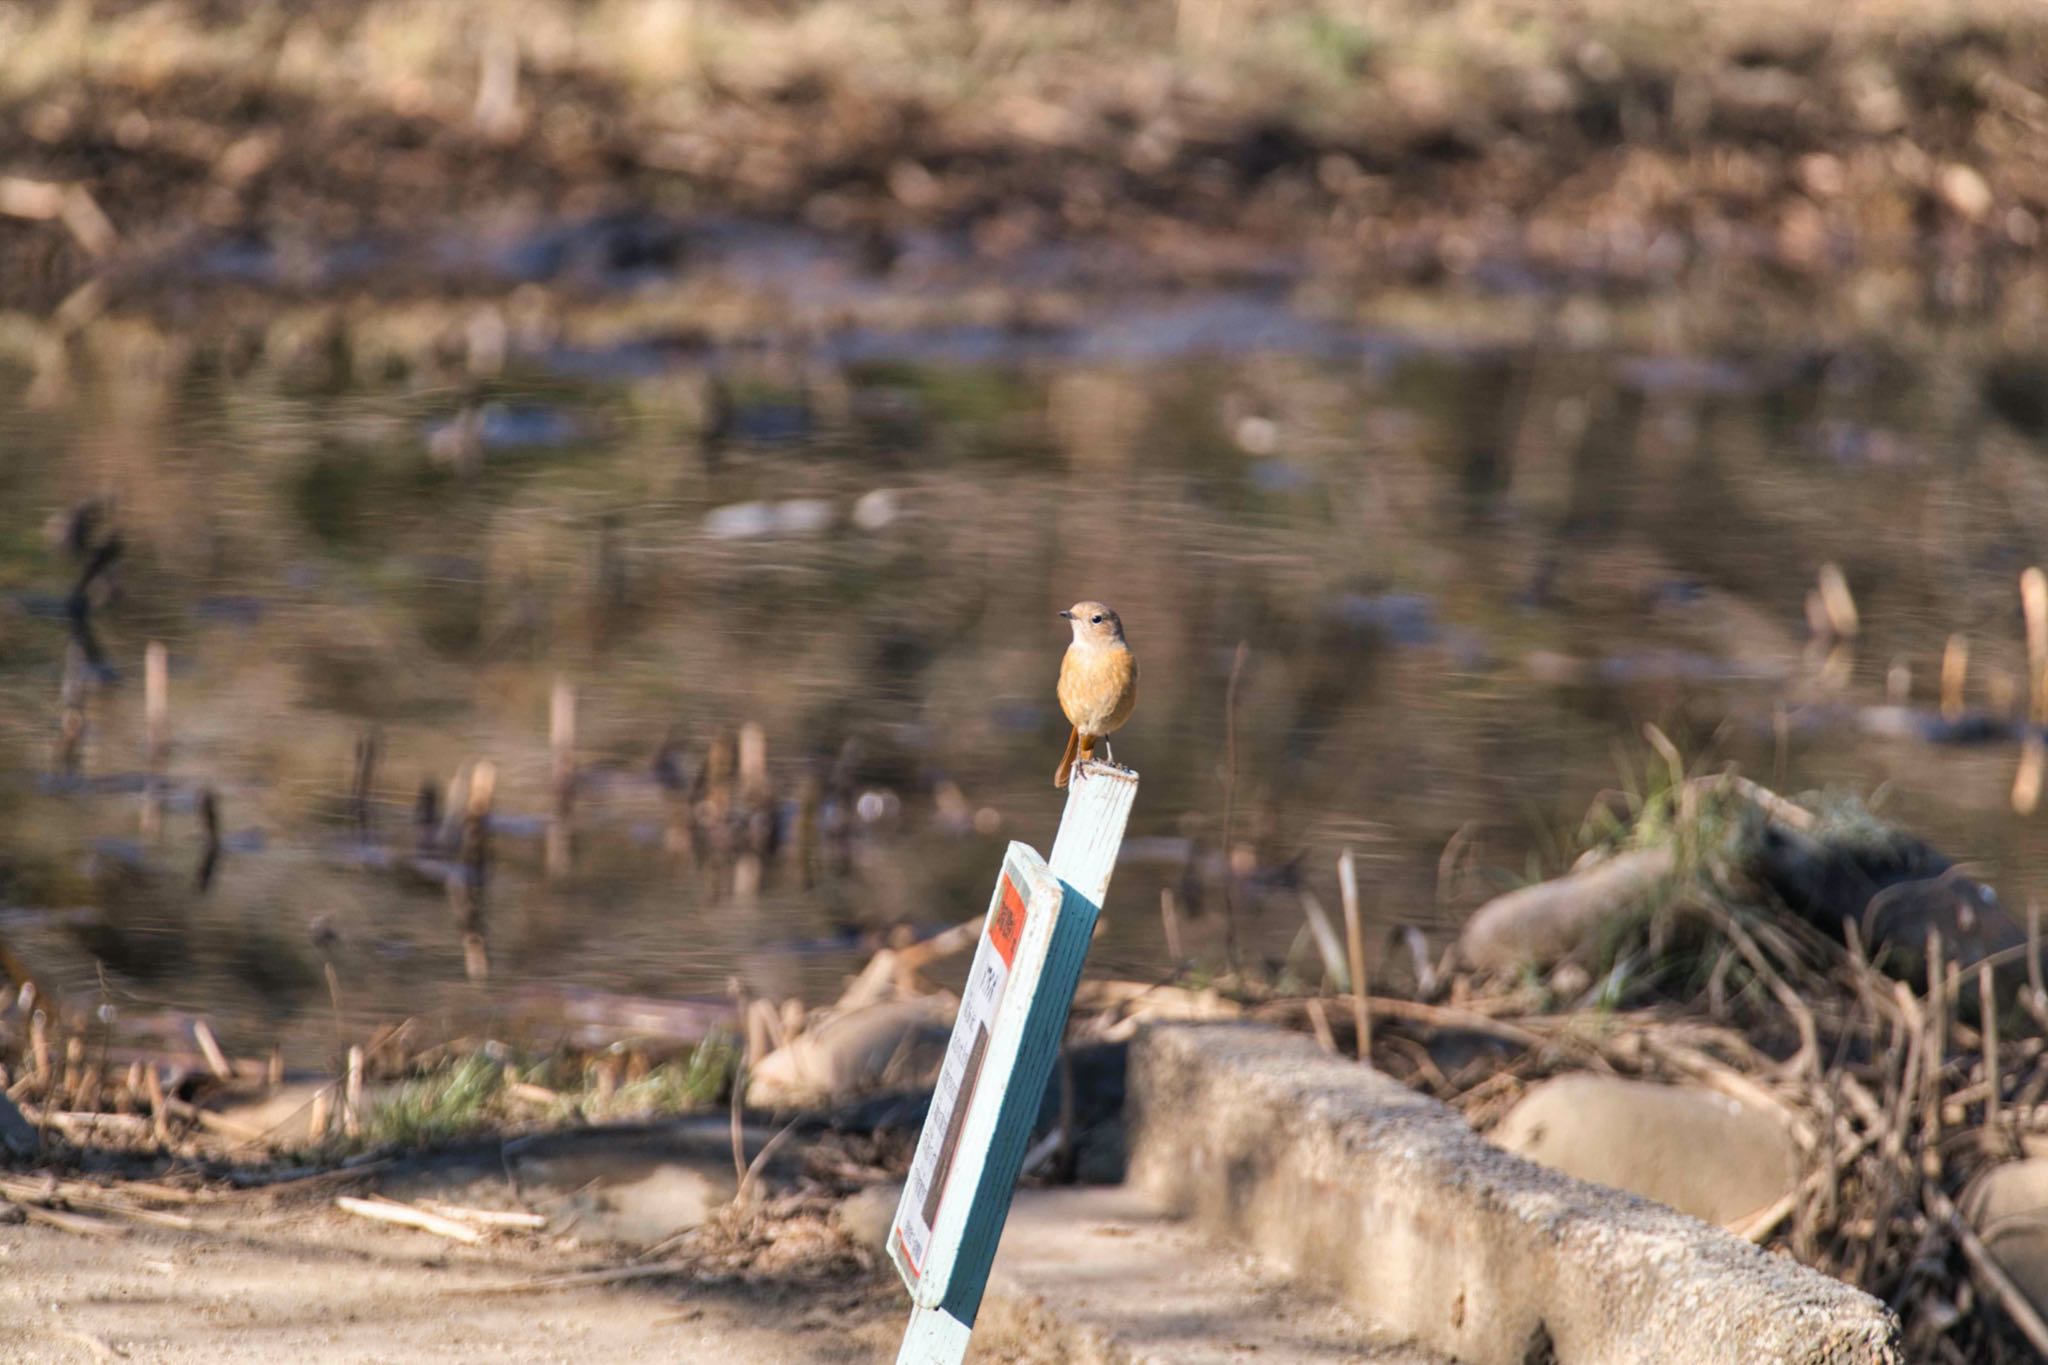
x=1098 y=687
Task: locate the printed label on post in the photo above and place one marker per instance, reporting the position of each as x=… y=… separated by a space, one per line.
x=994 y=955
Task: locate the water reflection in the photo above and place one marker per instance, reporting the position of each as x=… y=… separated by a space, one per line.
x=803 y=598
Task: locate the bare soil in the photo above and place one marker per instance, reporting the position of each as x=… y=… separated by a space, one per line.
x=259 y=1281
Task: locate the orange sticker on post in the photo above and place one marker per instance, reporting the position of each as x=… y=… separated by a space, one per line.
x=1006 y=926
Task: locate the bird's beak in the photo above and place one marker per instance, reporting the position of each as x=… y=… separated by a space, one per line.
x=1066 y=616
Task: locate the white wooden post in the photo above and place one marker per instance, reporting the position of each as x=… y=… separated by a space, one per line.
x=1013 y=1015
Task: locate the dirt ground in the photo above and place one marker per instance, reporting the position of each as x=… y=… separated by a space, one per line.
x=304 y=1281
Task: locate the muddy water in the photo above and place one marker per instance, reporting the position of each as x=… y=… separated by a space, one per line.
x=1466 y=579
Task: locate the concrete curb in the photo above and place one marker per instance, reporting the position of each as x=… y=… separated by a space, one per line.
x=1355 y=1182
x=1094 y=1275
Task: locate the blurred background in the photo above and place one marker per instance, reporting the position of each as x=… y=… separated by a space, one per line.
x=684 y=417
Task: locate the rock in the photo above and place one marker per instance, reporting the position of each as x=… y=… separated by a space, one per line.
x=638 y=1185
x=877 y=509
x=1696 y=1150
x=1964 y=191
x=1963 y=910
x=272 y=1112
x=17 y=1134
x=661 y=1200
x=789 y=517
x=2007 y=1205
x=1551 y=920
x=1895 y=887
x=866 y=1215
x=900 y=1043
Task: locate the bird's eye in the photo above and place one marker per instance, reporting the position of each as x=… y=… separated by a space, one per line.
x=1095 y=620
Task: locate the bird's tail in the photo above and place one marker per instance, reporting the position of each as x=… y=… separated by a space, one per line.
x=1066 y=768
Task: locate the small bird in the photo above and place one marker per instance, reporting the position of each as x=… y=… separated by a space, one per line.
x=1098 y=683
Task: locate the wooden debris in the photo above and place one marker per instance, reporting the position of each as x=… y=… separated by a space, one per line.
x=73 y=1222
x=405 y=1215
x=489 y=1218
x=209 y=1048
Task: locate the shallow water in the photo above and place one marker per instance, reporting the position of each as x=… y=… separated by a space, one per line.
x=1466 y=577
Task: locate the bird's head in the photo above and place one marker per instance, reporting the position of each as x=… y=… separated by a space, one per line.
x=1094 y=623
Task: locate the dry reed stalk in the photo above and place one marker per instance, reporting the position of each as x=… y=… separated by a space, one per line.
x=40 y=1072
x=750 y=1177
x=79 y=1195
x=1936 y=1060
x=2034 y=953
x=1169 y=923
x=76 y=1223
x=1354 y=940
x=1319 y=1021
x=209 y=1048
x=320 y=1116
x=489 y=1218
x=562 y=746
x=1898 y=682
x=2034 y=607
x=2026 y=779
x=578 y=1279
x=467 y=882
x=71 y=695
x=1325 y=936
x=362 y=787
x=1987 y=1001
x=1432 y=1016
x=352 y=1095
x=1237 y=662
x=753 y=764
x=70 y=204
x=1808 y=1058
x=159 y=1106
x=156 y=712
x=1837 y=605
x=1955 y=672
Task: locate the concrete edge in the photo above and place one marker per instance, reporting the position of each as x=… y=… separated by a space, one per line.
x=1354 y=1182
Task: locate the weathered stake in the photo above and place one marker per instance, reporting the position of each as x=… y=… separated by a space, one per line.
x=1012 y=1019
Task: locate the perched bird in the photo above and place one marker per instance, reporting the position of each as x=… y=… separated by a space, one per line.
x=1098 y=683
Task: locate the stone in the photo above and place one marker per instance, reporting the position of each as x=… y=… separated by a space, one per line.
x=866 y=1215
x=17 y=1134
x=638 y=1185
x=1538 y=925
x=2007 y=1206
x=900 y=1043
x=1699 y=1151
x=1388 y=1198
